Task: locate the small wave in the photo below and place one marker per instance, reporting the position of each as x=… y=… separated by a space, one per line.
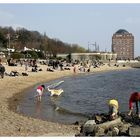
x=54 y=85
x=66 y=111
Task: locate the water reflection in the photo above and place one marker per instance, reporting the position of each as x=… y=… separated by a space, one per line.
x=38 y=110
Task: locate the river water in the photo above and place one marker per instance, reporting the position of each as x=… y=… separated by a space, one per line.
x=83 y=95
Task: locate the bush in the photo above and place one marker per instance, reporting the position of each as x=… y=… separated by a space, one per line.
x=17 y=55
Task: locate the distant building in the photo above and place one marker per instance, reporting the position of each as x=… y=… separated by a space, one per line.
x=10 y=50
x=105 y=56
x=32 y=49
x=26 y=49
x=123 y=44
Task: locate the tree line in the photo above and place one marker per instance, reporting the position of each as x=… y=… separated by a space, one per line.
x=22 y=37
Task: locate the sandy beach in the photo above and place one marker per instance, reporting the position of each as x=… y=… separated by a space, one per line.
x=11 y=91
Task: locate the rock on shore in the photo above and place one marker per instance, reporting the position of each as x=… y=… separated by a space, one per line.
x=99 y=125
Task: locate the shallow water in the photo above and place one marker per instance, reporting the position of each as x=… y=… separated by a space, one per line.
x=83 y=95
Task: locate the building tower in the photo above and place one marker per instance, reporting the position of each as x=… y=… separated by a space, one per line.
x=123 y=44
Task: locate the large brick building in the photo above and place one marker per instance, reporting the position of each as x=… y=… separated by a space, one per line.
x=123 y=44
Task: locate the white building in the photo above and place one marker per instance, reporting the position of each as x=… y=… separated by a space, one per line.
x=26 y=49
x=10 y=50
x=90 y=56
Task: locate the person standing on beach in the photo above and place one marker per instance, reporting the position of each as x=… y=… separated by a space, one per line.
x=26 y=65
x=2 y=70
x=134 y=98
x=74 y=68
x=40 y=90
x=113 y=109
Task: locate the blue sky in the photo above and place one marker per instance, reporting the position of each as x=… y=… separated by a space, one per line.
x=75 y=23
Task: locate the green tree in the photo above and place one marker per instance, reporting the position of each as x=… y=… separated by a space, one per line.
x=33 y=54
x=17 y=55
x=3 y=40
x=41 y=55
x=69 y=57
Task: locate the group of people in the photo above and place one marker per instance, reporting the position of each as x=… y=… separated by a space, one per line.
x=114 y=107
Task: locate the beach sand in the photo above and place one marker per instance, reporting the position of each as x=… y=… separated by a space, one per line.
x=11 y=91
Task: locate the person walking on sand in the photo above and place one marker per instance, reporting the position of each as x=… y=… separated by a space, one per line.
x=113 y=109
x=40 y=90
x=134 y=98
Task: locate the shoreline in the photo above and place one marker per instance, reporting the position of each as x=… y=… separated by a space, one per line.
x=14 y=124
x=16 y=99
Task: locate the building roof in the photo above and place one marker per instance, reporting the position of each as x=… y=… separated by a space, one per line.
x=122 y=31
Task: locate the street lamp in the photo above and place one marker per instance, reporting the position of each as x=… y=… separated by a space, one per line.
x=93 y=44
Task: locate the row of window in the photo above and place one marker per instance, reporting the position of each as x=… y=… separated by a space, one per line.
x=121 y=49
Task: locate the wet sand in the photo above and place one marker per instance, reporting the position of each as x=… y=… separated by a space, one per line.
x=11 y=91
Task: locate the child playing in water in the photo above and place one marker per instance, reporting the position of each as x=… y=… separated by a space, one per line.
x=40 y=90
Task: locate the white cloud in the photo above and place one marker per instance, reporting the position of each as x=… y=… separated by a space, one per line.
x=133 y=20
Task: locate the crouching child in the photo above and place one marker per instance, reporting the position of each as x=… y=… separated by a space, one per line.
x=113 y=109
